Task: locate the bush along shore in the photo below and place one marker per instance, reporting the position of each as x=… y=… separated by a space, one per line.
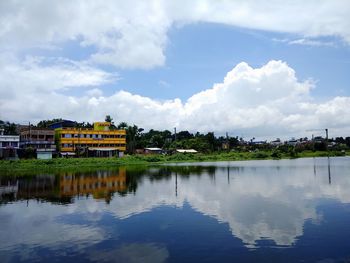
x=77 y=163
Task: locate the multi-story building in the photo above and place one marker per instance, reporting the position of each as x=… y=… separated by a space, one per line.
x=39 y=139
x=9 y=145
x=101 y=140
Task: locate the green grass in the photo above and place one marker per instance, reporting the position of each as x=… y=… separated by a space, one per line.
x=8 y=167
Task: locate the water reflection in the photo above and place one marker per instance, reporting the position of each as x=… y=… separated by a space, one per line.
x=259 y=201
x=60 y=188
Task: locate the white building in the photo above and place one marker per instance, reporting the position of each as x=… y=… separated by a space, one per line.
x=9 y=144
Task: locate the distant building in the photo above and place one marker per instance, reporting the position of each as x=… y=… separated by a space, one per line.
x=258 y=142
x=62 y=124
x=276 y=142
x=292 y=142
x=318 y=139
x=153 y=150
x=98 y=141
x=9 y=145
x=186 y=151
x=39 y=139
x=225 y=146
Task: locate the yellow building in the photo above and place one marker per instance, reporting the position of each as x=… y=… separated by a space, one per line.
x=98 y=141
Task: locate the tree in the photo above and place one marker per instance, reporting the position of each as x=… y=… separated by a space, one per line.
x=347 y=141
x=122 y=125
x=132 y=133
x=109 y=119
x=9 y=128
x=184 y=135
x=47 y=123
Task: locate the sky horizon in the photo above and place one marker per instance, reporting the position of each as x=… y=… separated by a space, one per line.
x=249 y=68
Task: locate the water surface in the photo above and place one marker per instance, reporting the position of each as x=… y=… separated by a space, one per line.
x=266 y=211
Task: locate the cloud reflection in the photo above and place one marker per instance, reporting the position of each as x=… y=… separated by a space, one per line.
x=269 y=199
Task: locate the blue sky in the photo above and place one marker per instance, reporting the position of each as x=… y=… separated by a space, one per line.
x=260 y=68
x=200 y=55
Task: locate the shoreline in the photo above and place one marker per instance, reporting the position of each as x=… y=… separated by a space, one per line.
x=63 y=164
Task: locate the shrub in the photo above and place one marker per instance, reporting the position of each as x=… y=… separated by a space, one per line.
x=153 y=158
x=276 y=155
x=260 y=155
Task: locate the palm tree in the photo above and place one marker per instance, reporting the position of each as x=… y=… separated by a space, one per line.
x=122 y=125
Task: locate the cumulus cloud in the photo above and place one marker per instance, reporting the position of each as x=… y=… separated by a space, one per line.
x=265 y=101
x=133 y=34
x=269 y=100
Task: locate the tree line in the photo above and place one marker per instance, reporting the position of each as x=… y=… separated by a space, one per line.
x=138 y=138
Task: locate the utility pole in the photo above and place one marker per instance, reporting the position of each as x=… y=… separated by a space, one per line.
x=30 y=136
x=326 y=130
x=227 y=142
x=175 y=137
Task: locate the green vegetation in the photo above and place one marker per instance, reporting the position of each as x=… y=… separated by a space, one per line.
x=211 y=148
x=7 y=167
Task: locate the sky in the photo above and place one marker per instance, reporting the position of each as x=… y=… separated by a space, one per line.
x=262 y=69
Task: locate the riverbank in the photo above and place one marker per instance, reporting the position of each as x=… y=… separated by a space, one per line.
x=8 y=167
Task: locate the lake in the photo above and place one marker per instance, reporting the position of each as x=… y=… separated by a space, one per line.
x=252 y=211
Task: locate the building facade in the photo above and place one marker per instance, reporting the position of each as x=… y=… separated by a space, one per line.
x=9 y=145
x=101 y=140
x=42 y=140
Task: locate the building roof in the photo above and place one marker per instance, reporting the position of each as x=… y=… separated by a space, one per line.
x=103 y=149
x=153 y=149
x=61 y=124
x=68 y=153
x=9 y=138
x=186 y=151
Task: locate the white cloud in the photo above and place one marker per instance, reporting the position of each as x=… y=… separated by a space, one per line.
x=310 y=42
x=133 y=34
x=306 y=42
x=266 y=101
x=163 y=83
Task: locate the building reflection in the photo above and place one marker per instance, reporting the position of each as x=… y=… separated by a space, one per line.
x=63 y=187
x=101 y=185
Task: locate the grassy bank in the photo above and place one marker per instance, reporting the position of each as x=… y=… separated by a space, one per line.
x=7 y=167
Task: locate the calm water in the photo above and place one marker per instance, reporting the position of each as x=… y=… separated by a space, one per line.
x=255 y=211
